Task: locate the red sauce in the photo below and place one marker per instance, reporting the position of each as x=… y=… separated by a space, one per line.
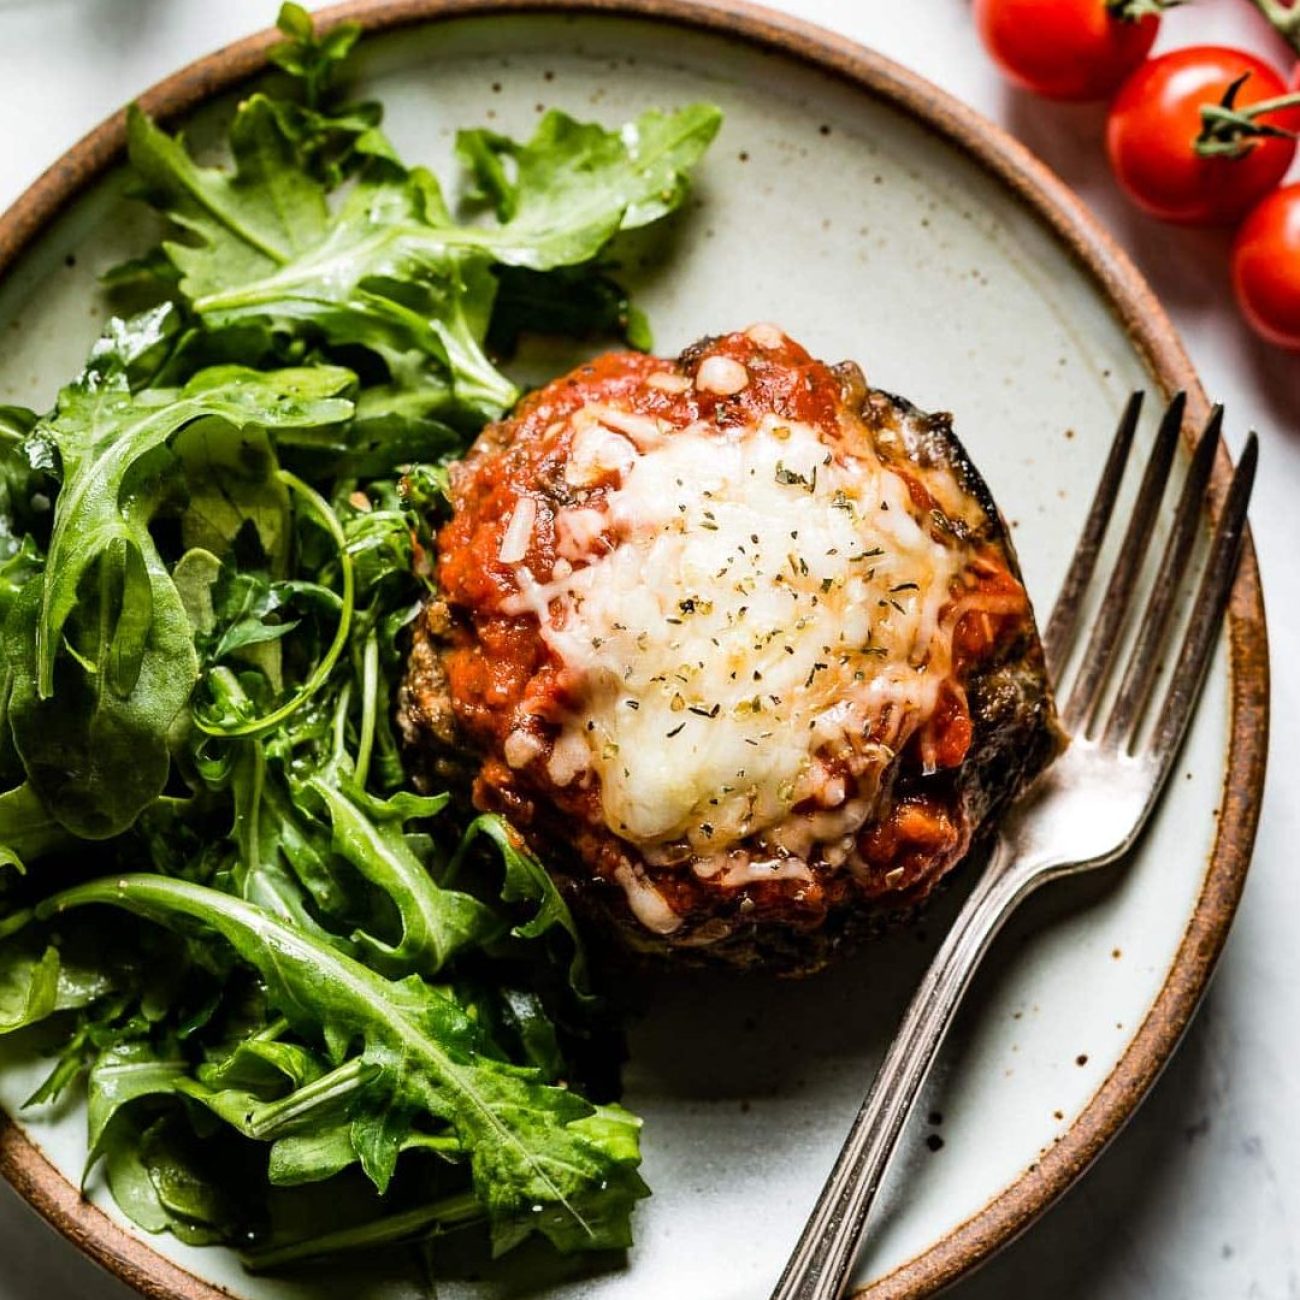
x=904 y=846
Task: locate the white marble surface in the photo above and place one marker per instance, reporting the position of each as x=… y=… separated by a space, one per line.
x=1200 y=1198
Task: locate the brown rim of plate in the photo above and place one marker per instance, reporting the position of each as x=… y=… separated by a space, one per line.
x=1015 y=1208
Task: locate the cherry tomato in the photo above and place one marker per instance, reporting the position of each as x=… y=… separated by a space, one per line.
x=1266 y=267
x=1155 y=121
x=1065 y=49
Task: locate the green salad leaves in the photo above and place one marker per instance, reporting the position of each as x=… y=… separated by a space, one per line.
x=388 y=267
x=275 y=960
x=101 y=650
x=535 y=1163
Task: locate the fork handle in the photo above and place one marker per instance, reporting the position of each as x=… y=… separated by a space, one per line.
x=828 y=1246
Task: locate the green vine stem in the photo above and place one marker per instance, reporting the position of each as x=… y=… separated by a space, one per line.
x=1133 y=11
x=1228 y=131
x=1285 y=18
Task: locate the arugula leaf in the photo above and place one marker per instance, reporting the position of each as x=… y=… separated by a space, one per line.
x=577 y=184
x=397 y=424
x=27 y=831
x=405 y=1226
x=526 y=880
x=320 y=1098
x=248 y=602
x=23 y=563
x=617 y=1128
x=127 y=1174
x=577 y=302
x=196 y=573
x=236 y=708
x=95 y=750
x=314 y=61
x=319 y=1129
x=249 y=222
x=435 y=923
x=661 y=150
x=25 y=492
x=164 y=1177
x=528 y=1144
x=314 y=1156
x=28 y=987
x=263 y=1063
x=280 y=861
x=122 y=1074
x=331 y=139
x=35 y=982
x=232 y=484
x=311 y=1128
x=15 y=424
x=98 y=753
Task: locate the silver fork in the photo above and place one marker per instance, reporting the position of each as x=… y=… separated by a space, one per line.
x=1086 y=811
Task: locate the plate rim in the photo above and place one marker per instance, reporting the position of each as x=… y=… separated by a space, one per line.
x=1017 y=1206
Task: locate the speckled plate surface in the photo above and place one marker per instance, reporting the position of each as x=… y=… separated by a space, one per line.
x=875 y=219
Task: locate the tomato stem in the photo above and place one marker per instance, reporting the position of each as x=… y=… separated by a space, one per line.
x=1133 y=11
x=1231 y=132
x=1284 y=17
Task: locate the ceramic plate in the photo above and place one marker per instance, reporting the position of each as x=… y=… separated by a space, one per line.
x=875 y=219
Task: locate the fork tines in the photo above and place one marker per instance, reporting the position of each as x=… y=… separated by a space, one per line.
x=1083 y=712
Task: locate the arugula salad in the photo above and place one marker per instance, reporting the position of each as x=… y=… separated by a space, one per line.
x=225 y=912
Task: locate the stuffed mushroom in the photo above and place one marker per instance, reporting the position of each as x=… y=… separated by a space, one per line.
x=737 y=643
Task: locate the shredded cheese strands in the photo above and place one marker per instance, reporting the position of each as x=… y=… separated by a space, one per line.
x=765 y=602
x=518 y=532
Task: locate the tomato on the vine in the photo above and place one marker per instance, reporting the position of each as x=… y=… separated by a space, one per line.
x=1185 y=142
x=1068 y=49
x=1266 y=267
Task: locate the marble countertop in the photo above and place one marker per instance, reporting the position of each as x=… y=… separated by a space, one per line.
x=1199 y=1198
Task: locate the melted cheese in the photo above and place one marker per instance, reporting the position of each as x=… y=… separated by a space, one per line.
x=768 y=606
